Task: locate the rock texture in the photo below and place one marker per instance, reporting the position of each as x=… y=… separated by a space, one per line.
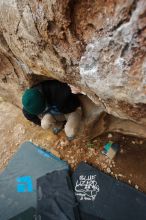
x=96 y=45
x=15 y=130
x=114 y=66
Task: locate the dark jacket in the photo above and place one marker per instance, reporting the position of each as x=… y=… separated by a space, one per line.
x=58 y=95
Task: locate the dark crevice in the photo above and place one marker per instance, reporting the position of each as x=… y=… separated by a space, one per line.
x=16 y=105
x=4 y=79
x=20 y=8
x=133 y=7
x=90 y=25
x=139 y=32
x=17 y=28
x=34 y=20
x=124 y=49
x=62 y=59
x=12 y=55
x=51 y=26
x=121 y=22
x=15 y=71
x=64 y=63
x=69 y=14
x=71 y=7
x=72 y=26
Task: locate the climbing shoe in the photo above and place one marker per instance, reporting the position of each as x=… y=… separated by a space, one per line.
x=56 y=130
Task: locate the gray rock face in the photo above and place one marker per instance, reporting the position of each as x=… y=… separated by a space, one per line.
x=98 y=46
x=114 y=67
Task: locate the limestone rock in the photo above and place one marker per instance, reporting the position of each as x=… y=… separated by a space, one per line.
x=98 y=46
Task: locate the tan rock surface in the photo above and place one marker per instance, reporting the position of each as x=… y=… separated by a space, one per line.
x=14 y=130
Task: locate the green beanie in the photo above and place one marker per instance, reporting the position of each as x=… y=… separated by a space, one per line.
x=33 y=101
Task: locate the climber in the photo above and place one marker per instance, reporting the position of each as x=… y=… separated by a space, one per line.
x=51 y=104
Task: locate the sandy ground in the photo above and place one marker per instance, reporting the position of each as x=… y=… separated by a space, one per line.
x=15 y=130
x=129 y=164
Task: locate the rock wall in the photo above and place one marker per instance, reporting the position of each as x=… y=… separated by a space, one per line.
x=96 y=45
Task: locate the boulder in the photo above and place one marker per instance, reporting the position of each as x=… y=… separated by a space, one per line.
x=97 y=46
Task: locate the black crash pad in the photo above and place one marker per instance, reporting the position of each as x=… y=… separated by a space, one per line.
x=102 y=197
x=55 y=197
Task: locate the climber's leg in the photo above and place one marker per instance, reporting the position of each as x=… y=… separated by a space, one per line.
x=73 y=123
x=49 y=121
x=59 y=125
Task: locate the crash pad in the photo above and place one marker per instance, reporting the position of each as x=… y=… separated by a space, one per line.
x=29 y=214
x=101 y=196
x=18 y=180
x=55 y=197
